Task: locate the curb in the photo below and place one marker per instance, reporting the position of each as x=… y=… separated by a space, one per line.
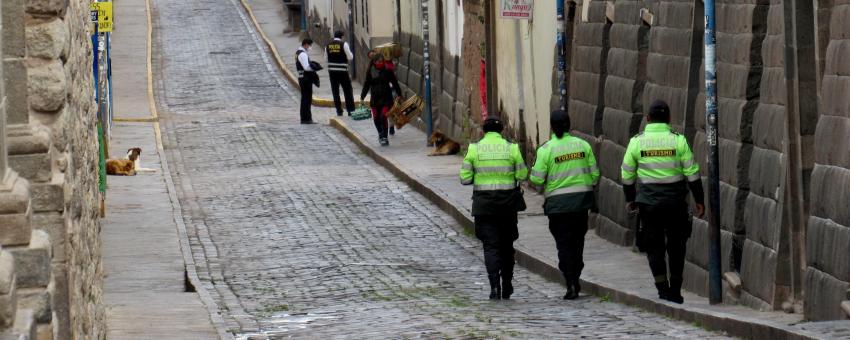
x=293 y=80
x=734 y=325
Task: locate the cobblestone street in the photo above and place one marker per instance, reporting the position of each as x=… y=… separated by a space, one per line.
x=296 y=233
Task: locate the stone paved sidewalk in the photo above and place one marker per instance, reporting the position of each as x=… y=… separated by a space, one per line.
x=144 y=289
x=610 y=270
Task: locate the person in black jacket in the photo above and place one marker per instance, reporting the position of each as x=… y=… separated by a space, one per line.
x=381 y=82
x=306 y=78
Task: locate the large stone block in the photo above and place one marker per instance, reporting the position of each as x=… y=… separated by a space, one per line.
x=583 y=117
x=675 y=14
x=588 y=34
x=626 y=37
x=730 y=153
x=14 y=43
x=613 y=232
x=47 y=39
x=401 y=72
x=48 y=197
x=32 y=262
x=15 y=227
x=836 y=52
x=610 y=159
x=776 y=20
x=824 y=294
x=38 y=300
x=697 y=248
x=730 y=112
x=730 y=204
x=47 y=86
x=668 y=71
x=773 y=48
x=15 y=85
x=763 y=217
x=736 y=81
x=611 y=202
x=830 y=193
x=670 y=41
x=587 y=89
x=620 y=93
x=696 y=279
x=831 y=129
x=623 y=63
x=53 y=223
x=758 y=270
x=620 y=126
x=838 y=29
x=735 y=17
x=827 y=245
x=698 y=243
x=768 y=121
x=8 y=290
x=60 y=300
x=773 y=86
x=449 y=82
x=587 y=59
x=627 y=12
x=834 y=98
x=34 y=167
x=53 y=7
x=734 y=48
x=766 y=172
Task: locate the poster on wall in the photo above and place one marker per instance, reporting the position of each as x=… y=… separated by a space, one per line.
x=516 y=9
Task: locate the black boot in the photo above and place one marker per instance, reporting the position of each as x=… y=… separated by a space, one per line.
x=577 y=286
x=675 y=292
x=572 y=289
x=663 y=290
x=507 y=287
x=495 y=288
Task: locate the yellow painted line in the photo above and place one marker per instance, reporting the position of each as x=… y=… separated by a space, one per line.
x=317 y=101
x=151 y=101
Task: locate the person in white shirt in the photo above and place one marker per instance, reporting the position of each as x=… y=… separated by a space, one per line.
x=339 y=55
x=306 y=78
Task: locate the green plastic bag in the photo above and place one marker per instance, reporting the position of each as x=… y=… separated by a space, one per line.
x=362 y=112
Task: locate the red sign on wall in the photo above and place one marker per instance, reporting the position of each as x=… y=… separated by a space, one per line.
x=516 y=9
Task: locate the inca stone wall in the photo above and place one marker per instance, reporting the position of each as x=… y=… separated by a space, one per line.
x=52 y=143
x=828 y=236
x=625 y=54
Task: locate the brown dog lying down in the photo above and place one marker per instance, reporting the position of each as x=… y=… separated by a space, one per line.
x=443 y=145
x=124 y=167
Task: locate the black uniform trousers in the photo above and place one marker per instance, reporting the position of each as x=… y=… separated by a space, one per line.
x=665 y=231
x=498 y=233
x=306 y=98
x=569 y=230
x=340 y=78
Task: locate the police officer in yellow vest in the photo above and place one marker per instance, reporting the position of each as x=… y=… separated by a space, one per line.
x=661 y=161
x=495 y=167
x=567 y=167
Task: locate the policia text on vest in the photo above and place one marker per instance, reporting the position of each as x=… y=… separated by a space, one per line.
x=339 y=54
x=495 y=167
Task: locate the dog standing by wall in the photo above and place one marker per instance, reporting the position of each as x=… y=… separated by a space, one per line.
x=443 y=145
